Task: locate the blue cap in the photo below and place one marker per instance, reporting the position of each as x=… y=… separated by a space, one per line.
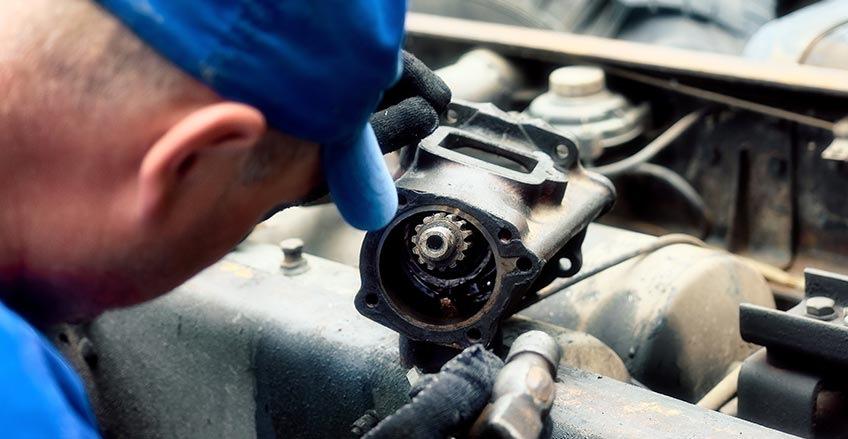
x=315 y=68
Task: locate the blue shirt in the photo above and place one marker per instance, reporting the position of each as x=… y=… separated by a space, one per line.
x=40 y=395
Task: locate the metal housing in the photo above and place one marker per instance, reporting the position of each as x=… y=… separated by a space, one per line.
x=527 y=208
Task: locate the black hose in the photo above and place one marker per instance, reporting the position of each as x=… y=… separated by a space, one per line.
x=447 y=402
x=682 y=187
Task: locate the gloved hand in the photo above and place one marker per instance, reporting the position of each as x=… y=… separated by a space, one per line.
x=408 y=113
x=410 y=110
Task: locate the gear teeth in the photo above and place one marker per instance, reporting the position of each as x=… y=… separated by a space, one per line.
x=458 y=227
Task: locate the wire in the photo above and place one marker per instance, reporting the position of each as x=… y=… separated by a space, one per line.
x=652 y=149
x=769 y=272
x=561 y=284
x=679 y=184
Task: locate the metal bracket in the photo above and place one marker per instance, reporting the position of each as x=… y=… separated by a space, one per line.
x=795 y=384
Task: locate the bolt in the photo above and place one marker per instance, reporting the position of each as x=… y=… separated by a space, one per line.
x=293 y=261
x=561 y=152
x=820 y=306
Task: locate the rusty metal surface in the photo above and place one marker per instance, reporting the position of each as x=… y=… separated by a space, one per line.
x=672 y=316
x=564 y=47
x=245 y=351
x=592 y=407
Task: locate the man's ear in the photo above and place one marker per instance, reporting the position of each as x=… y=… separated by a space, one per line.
x=197 y=141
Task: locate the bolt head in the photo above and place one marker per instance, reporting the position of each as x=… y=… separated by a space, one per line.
x=293 y=261
x=561 y=152
x=820 y=306
x=292 y=247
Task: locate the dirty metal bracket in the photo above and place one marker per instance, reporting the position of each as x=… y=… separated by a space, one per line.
x=797 y=383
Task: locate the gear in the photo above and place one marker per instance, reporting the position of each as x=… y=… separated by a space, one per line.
x=440 y=241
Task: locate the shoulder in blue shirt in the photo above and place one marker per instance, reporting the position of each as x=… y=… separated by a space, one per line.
x=42 y=395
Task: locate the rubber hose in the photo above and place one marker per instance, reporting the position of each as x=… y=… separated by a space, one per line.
x=449 y=401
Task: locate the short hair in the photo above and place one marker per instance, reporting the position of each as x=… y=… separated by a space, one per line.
x=101 y=64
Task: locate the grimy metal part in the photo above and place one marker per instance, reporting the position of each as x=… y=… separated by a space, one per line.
x=490 y=205
x=797 y=383
x=524 y=390
x=672 y=315
x=565 y=47
x=244 y=351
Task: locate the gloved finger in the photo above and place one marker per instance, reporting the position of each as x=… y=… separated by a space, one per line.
x=405 y=123
x=418 y=80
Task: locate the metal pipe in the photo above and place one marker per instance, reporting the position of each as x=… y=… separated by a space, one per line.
x=652 y=149
x=524 y=390
x=723 y=392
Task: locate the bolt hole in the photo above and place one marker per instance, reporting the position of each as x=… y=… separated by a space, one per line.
x=565 y=264
x=371 y=300
x=505 y=235
x=435 y=242
x=524 y=264
x=402 y=200
x=473 y=335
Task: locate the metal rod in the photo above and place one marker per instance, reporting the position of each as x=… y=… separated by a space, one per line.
x=719 y=98
x=565 y=47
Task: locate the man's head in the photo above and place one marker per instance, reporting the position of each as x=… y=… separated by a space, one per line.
x=121 y=174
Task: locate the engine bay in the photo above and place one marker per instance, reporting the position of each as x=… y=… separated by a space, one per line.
x=673 y=221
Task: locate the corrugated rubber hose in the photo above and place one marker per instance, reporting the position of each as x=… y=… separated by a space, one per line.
x=447 y=402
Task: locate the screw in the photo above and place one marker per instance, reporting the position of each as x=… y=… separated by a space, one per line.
x=293 y=261
x=820 y=306
x=561 y=152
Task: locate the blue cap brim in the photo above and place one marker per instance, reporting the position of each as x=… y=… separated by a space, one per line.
x=360 y=183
